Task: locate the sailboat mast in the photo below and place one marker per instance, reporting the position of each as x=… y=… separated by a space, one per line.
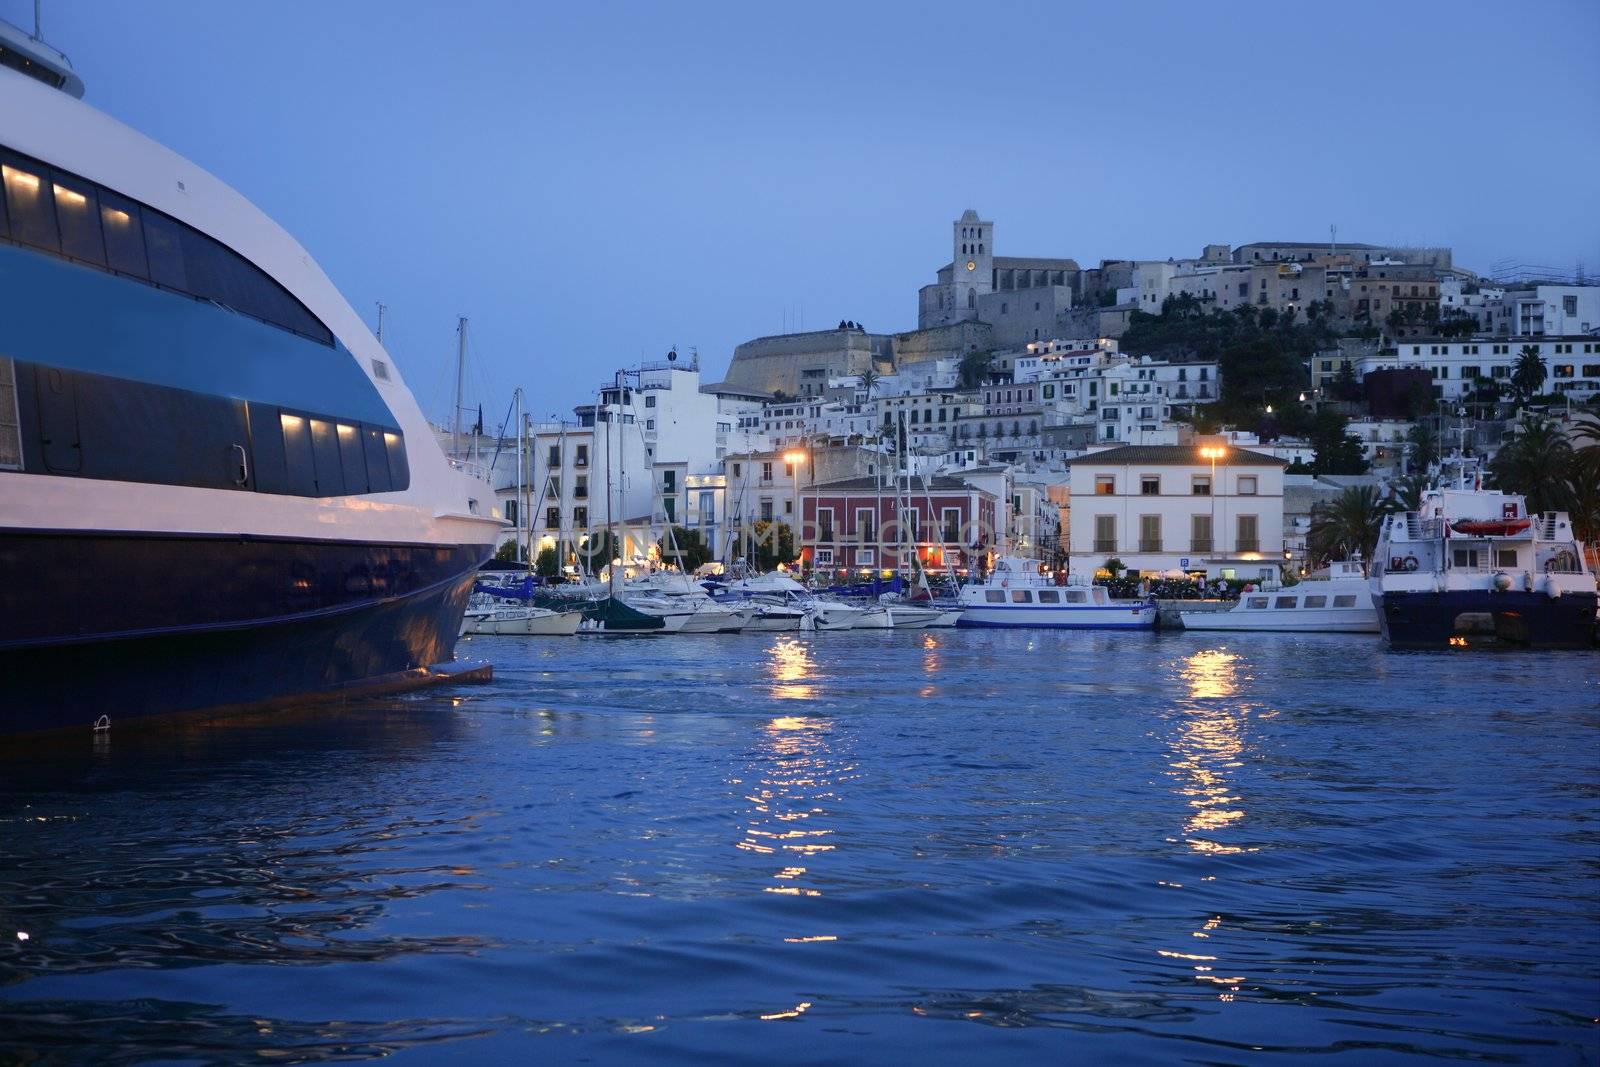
x=461 y=379
x=522 y=546
x=611 y=570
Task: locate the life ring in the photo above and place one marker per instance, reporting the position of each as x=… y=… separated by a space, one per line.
x=1410 y=563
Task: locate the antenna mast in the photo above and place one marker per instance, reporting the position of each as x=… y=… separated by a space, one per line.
x=461 y=378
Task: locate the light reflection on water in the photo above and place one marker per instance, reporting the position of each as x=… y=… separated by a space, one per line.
x=1176 y=848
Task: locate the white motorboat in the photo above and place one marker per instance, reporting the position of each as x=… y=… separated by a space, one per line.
x=678 y=592
x=775 y=616
x=528 y=621
x=874 y=617
x=1340 y=604
x=904 y=615
x=1017 y=594
x=781 y=591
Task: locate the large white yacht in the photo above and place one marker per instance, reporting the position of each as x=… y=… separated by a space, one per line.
x=215 y=488
x=1473 y=563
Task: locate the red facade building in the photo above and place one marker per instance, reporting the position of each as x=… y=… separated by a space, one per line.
x=859 y=525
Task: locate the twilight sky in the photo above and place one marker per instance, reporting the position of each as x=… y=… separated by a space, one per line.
x=593 y=183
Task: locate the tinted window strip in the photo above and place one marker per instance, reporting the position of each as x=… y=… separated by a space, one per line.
x=60 y=213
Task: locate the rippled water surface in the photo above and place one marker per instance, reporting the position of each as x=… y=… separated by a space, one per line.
x=953 y=847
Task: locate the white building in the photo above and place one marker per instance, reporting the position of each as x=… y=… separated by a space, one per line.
x=659 y=431
x=1572 y=363
x=1168 y=507
x=1554 y=310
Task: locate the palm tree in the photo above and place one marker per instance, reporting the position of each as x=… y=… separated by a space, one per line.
x=1406 y=493
x=1583 y=493
x=1535 y=463
x=869 y=381
x=1347 y=524
x=1424 y=445
x=1528 y=373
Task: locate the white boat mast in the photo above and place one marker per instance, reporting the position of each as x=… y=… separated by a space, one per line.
x=461 y=380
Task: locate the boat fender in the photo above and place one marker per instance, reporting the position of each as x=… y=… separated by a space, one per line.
x=1502 y=581
x=1410 y=563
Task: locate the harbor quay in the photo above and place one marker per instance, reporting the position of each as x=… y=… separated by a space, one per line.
x=474 y=587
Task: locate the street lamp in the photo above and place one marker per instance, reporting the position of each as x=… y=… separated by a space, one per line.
x=794 y=457
x=1213 y=453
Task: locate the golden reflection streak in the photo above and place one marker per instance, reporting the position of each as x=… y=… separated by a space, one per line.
x=799 y=1010
x=790 y=666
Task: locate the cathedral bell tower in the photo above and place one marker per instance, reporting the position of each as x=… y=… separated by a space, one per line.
x=972 y=263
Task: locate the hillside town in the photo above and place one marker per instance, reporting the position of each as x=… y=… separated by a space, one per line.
x=1244 y=415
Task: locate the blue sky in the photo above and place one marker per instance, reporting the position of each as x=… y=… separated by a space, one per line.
x=593 y=183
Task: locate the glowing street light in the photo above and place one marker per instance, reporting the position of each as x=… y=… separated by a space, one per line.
x=794 y=457
x=1213 y=453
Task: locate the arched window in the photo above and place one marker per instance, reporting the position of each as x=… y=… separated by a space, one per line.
x=972 y=298
x=980 y=250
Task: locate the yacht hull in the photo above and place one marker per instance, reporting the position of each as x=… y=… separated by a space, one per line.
x=1304 y=621
x=140 y=626
x=1073 y=617
x=1427 y=620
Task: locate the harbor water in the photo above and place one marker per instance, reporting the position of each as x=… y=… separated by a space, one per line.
x=947 y=846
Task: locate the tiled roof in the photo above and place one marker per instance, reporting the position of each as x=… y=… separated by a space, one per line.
x=1178 y=456
x=938 y=483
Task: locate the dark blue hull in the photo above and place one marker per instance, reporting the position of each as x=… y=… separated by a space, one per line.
x=136 y=626
x=1521 y=619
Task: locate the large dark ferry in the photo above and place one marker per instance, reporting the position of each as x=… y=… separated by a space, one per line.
x=215 y=489
x=1471 y=565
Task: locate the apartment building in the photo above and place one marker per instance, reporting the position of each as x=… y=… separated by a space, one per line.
x=1203 y=509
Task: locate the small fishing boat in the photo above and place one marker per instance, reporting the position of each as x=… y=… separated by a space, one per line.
x=1340 y=604
x=1017 y=594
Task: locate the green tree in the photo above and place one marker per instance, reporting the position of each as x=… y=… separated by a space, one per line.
x=772 y=544
x=1258 y=372
x=1115 y=566
x=1536 y=462
x=1336 y=451
x=1347 y=524
x=1528 y=373
x=507 y=552
x=975 y=368
x=685 y=547
x=596 y=554
x=547 y=564
x=1424 y=446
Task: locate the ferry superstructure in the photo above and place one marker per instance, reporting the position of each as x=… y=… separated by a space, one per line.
x=215 y=488
x=1471 y=562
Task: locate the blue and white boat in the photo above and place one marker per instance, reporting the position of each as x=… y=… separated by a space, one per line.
x=216 y=491
x=1017 y=593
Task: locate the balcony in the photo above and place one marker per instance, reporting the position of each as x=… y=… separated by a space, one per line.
x=1249 y=544
x=1149 y=544
x=1200 y=544
x=1105 y=546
